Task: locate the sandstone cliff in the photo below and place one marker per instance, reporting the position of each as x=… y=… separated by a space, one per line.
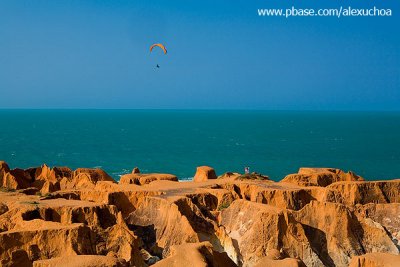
x=145 y=178
x=204 y=173
x=318 y=217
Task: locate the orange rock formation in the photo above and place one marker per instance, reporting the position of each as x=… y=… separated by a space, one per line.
x=204 y=173
x=318 y=217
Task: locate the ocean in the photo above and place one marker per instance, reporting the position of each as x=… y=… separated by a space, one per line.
x=274 y=143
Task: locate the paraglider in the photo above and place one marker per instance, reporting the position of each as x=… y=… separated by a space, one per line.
x=160 y=46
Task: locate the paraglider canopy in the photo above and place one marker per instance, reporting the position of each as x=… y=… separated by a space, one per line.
x=160 y=46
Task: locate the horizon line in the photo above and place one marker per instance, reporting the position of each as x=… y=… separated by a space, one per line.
x=205 y=109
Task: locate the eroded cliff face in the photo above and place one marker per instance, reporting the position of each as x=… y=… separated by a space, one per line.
x=318 y=217
x=320 y=177
x=375 y=260
x=145 y=178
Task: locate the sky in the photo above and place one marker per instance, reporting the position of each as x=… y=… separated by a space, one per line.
x=221 y=55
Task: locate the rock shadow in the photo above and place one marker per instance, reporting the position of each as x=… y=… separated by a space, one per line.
x=318 y=243
x=148 y=236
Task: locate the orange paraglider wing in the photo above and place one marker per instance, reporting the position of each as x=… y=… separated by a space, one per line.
x=160 y=46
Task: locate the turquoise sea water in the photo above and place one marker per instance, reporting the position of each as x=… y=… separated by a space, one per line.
x=273 y=143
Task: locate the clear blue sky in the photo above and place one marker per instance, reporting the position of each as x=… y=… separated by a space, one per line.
x=94 y=54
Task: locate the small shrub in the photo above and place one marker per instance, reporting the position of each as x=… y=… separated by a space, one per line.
x=6 y=190
x=253 y=176
x=223 y=206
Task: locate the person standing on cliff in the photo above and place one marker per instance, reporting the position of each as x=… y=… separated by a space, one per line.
x=246 y=170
